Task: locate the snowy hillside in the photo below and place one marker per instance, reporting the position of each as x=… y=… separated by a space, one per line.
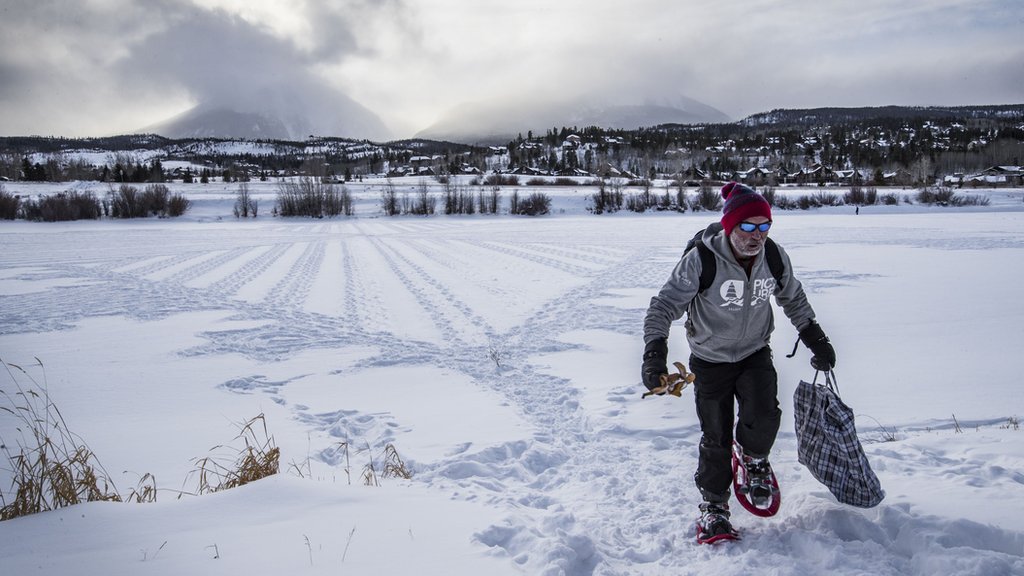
x=500 y=357
x=496 y=122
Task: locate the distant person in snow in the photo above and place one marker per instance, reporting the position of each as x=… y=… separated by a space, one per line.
x=728 y=327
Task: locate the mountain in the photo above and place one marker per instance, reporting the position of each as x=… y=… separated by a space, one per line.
x=277 y=115
x=497 y=122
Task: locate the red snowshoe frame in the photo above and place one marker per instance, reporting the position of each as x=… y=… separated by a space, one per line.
x=739 y=479
x=728 y=536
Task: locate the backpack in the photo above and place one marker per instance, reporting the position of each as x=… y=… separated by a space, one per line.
x=708 y=266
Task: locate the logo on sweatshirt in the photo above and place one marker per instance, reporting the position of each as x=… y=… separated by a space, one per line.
x=732 y=291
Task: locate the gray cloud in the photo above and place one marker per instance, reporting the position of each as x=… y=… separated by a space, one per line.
x=105 y=66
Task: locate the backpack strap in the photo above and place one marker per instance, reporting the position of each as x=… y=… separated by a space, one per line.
x=708 y=267
x=771 y=253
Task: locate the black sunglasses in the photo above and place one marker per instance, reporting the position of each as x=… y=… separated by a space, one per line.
x=750 y=226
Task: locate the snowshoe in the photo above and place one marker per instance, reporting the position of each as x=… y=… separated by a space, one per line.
x=713 y=525
x=757 y=489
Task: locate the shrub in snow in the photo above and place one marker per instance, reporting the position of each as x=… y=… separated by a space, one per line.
x=8 y=205
x=62 y=207
x=535 y=204
x=314 y=198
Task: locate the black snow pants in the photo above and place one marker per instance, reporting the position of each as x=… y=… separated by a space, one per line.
x=753 y=382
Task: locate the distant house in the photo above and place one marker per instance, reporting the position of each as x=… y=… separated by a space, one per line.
x=607 y=170
x=421 y=161
x=815 y=173
x=755 y=176
x=898 y=177
x=1012 y=175
x=573 y=172
x=694 y=174
x=853 y=177
x=529 y=171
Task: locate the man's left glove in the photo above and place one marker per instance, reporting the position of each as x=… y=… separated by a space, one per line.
x=655 y=355
x=824 y=355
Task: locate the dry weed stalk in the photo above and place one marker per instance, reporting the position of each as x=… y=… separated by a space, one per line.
x=394 y=467
x=258 y=459
x=144 y=491
x=370 y=475
x=50 y=467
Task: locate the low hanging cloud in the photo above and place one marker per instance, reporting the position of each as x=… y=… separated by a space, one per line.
x=178 y=56
x=111 y=66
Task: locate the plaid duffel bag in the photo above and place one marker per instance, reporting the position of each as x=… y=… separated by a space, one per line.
x=828 y=446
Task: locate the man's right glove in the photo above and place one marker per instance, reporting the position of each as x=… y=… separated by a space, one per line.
x=813 y=337
x=655 y=355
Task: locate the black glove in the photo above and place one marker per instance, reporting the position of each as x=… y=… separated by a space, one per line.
x=655 y=354
x=824 y=355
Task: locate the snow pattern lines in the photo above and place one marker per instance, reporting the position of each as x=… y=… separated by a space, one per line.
x=582 y=495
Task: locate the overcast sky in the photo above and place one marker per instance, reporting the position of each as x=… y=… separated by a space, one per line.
x=100 y=67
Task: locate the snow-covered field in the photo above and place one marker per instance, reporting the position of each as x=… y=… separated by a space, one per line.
x=500 y=356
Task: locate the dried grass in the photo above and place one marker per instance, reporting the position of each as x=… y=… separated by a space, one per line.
x=393 y=467
x=258 y=459
x=144 y=491
x=49 y=466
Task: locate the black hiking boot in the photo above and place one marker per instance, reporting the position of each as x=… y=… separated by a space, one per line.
x=759 y=485
x=714 y=525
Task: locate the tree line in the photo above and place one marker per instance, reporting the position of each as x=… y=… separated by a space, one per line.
x=943 y=140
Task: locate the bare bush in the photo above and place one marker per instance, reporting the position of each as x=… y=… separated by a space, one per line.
x=490 y=202
x=638 y=202
x=826 y=199
x=389 y=199
x=605 y=200
x=62 y=207
x=245 y=204
x=860 y=196
x=944 y=196
x=706 y=198
x=126 y=202
x=783 y=202
x=423 y=205
x=155 y=198
x=501 y=180
x=536 y=204
x=313 y=198
x=177 y=205
x=855 y=196
x=9 y=204
x=459 y=200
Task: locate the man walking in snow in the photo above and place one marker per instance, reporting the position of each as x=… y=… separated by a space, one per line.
x=728 y=327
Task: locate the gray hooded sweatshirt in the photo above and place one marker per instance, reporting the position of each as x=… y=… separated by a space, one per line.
x=733 y=318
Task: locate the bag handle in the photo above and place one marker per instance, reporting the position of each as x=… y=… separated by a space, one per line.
x=830 y=381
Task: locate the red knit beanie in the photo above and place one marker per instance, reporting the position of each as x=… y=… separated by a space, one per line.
x=742 y=202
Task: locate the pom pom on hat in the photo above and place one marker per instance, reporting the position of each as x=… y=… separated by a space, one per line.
x=742 y=202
